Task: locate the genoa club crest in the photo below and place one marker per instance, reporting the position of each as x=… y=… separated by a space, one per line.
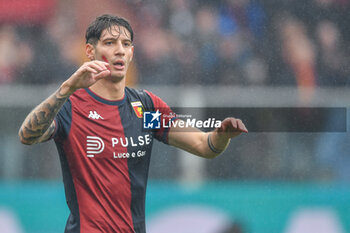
x=138 y=108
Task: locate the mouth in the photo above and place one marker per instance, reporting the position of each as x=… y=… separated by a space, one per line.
x=119 y=65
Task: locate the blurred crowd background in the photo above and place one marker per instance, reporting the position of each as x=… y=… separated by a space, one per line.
x=178 y=43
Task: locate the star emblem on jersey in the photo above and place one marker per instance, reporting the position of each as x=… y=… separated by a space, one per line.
x=94 y=115
x=138 y=108
x=151 y=120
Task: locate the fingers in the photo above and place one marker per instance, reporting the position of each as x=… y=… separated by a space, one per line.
x=241 y=126
x=103 y=68
x=98 y=66
x=91 y=70
x=238 y=124
x=102 y=74
x=98 y=69
x=94 y=67
x=233 y=125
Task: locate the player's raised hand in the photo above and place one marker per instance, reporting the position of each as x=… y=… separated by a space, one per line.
x=88 y=74
x=231 y=127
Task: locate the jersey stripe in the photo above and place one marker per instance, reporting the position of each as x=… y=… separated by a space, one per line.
x=63 y=125
x=138 y=167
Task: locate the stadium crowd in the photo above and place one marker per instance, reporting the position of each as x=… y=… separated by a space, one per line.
x=228 y=42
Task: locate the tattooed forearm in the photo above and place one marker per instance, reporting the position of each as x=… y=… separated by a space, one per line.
x=39 y=125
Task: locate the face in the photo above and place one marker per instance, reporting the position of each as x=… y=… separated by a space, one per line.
x=114 y=47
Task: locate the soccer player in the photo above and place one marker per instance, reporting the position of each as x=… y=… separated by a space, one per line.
x=96 y=122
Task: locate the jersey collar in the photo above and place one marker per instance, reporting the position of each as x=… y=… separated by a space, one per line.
x=105 y=101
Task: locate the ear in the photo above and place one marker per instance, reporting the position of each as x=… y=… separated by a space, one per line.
x=90 y=51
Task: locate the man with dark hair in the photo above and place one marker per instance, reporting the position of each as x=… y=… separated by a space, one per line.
x=96 y=121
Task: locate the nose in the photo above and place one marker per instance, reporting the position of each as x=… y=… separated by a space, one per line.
x=119 y=49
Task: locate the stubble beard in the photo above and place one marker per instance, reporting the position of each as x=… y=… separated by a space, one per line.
x=116 y=78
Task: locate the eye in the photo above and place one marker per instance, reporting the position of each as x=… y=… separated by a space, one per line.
x=108 y=43
x=127 y=44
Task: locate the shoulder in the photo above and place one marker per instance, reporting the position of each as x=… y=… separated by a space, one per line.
x=136 y=92
x=136 y=95
x=141 y=94
x=80 y=94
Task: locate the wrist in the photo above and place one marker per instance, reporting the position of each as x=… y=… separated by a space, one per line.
x=219 y=145
x=212 y=147
x=66 y=89
x=221 y=134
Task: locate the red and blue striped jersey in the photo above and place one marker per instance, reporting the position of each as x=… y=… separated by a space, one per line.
x=105 y=155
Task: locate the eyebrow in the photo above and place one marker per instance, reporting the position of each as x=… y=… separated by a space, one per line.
x=116 y=38
x=111 y=35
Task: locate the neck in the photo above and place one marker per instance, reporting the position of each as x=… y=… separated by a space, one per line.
x=109 y=90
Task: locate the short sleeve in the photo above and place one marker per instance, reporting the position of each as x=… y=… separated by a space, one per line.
x=167 y=116
x=63 y=121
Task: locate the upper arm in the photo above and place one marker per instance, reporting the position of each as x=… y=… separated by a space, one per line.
x=158 y=104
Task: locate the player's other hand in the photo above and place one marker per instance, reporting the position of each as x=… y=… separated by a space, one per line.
x=231 y=127
x=88 y=74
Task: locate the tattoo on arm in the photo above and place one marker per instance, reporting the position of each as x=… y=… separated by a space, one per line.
x=39 y=125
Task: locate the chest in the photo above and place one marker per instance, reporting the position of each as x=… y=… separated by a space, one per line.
x=104 y=131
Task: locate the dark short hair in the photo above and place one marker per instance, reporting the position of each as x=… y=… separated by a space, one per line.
x=95 y=29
